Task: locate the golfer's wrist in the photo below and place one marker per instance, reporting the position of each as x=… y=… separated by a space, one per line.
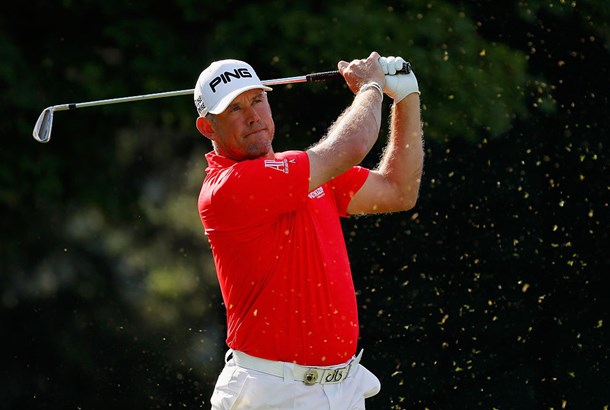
x=371 y=85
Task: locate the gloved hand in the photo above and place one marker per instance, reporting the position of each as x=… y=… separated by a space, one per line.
x=397 y=86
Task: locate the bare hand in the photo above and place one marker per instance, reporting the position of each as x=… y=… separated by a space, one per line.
x=359 y=72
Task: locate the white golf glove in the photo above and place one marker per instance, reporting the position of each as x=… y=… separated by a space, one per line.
x=397 y=86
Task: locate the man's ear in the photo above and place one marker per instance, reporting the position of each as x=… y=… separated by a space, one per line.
x=206 y=128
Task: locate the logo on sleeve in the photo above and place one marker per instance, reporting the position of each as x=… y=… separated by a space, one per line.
x=279 y=165
x=316 y=193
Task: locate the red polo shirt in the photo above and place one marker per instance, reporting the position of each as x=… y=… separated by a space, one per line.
x=280 y=257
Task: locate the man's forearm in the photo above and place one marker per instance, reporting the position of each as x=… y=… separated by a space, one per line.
x=403 y=157
x=360 y=123
x=349 y=139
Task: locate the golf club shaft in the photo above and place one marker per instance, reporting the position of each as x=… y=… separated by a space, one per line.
x=279 y=81
x=42 y=129
x=314 y=77
x=308 y=78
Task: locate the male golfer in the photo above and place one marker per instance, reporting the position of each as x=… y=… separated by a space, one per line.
x=272 y=220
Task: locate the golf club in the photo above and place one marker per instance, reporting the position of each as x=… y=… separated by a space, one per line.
x=42 y=129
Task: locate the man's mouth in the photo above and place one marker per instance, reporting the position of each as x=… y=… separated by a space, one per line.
x=254 y=133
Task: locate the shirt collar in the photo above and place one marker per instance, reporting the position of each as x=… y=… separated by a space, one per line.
x=217 y=161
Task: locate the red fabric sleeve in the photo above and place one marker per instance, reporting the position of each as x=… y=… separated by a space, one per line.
x=345 y=186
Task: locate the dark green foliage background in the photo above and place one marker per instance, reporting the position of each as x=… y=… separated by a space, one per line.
x=490 y=294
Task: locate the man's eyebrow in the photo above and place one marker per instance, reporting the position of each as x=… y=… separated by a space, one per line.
x=257 y=96
x=233 y=105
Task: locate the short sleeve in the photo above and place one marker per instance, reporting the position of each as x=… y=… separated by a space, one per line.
x=346 y=185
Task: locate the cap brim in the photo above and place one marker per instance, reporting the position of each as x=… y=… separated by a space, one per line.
x=228 y=99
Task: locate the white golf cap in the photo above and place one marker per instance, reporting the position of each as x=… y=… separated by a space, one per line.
x=221 y=82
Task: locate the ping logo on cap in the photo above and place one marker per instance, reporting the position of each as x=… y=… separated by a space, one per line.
x=227 y=76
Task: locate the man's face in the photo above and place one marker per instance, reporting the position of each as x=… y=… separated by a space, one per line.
x=245 y=129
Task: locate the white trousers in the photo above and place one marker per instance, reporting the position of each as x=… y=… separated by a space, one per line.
x=239 y=388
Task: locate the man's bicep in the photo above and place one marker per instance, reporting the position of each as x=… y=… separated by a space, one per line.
x=322 y=168
x=377 y=195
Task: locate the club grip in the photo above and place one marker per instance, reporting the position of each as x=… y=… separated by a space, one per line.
x=323 y=76
x=332 y=75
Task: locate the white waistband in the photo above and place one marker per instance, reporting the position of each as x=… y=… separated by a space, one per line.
x=307 y=374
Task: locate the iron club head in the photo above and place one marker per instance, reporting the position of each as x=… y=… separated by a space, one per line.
x=42 y=129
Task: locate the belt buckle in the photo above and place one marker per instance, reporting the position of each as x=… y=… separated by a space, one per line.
x=311 y=377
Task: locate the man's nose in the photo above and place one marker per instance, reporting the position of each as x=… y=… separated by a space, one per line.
x=252 y=115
